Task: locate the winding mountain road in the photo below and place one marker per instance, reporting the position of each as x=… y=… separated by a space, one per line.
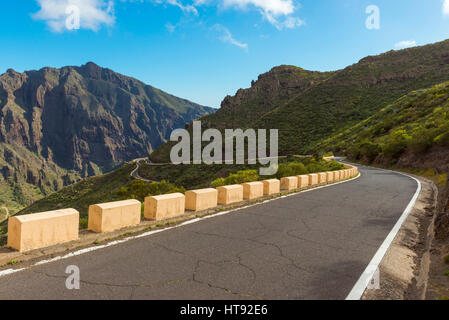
x=313 y=245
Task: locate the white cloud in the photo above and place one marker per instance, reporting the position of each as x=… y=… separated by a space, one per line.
x=405 y=44
x=92 y=13
x=446 y=7
x=226 y=36
x=274 y=7
x=271 y=10
x=185 y=8
x=171 y=28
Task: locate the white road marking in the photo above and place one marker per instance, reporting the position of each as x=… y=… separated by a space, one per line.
x=367 y=275
x=149 y=233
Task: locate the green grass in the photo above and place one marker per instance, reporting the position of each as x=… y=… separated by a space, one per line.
x=414 y=123
x=13 y=262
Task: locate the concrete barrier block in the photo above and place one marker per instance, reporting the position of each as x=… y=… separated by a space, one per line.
x=342 y=174
x=164 y=206
x=203 y=199
x=322 y=177
x=43 y=229
x=336 y=175
x=289 y=183
x=106 y=217
x=330 y=176
x=271 y=186
x=303 y=181
x=230 y=194
x=252 y=190
x=313 y=179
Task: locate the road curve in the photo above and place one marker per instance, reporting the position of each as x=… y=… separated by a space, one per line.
x=135 y=172
x=314 y=245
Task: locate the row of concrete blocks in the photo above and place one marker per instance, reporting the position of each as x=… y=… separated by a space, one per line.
x=44 y=229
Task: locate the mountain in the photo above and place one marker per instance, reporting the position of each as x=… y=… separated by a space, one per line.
x=59 y=125
x=271 y=90
x=308 y=107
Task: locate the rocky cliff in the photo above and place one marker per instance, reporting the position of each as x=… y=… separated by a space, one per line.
x=59 y=125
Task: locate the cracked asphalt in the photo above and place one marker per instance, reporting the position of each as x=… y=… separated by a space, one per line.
x=313 y=245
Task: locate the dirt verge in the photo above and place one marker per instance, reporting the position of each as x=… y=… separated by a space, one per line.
x=404 y=271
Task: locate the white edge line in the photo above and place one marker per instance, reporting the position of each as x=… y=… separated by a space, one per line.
x=359 y=288
x=149 y=233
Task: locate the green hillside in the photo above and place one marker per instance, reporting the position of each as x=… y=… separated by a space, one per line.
x=310 y=107
x=413 y=124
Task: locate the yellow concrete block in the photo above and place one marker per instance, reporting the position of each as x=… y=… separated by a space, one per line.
x=106 y=217
x=330 y=176
x=164 y=206
x=230 y=194
x=252 y=190
x=313 y=179
x=336 y=175
x=43 y=229
x=271 y=186
x=322 y=177
x=342 y=174
x=289 y=183
x=303 y=181
x=203 y=199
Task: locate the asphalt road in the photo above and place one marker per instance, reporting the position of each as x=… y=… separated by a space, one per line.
x=314 y=245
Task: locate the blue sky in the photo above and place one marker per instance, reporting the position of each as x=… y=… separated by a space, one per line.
x=203 y=50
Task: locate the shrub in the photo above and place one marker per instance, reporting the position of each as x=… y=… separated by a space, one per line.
x=284 y=170
x=83 y=223
x=218 y=182
x=442 y=139
x=396 y=144
x=237 y=178
x=139 y=189
x=421 y=140
x=297 y=168
x=370 y=150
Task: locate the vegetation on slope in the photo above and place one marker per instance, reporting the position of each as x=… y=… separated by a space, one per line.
x=192 y=176
x=414 y=123
x=331 y=103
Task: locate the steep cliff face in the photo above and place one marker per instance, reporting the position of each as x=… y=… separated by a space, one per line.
x=57 y=125
x=271 y=90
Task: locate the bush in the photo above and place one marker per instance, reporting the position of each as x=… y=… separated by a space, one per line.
x=83 y=223
x=396 y=144
x=370 y=151
x=297 y=168
x=139 y=189
x=218 y=182
x=284 y=170
x=421 y=140
x=442 y=140
x=237 y=178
